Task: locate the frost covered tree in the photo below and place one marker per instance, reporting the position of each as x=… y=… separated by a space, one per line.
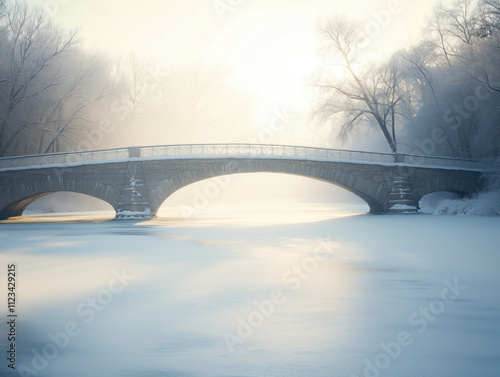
x=354 y=93
x=50 y=90
x=455 y=73
x=77 y=104
x=453 y=26
x=440 y=97
x=28 y=46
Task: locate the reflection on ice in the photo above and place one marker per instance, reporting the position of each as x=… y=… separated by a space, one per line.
x=248 y=214
x=90 y=216
x=261 y=213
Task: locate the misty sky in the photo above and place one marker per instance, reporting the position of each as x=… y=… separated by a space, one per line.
x=271 y=46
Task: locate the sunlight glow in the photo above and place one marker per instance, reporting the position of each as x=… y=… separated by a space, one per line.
x=270 y=47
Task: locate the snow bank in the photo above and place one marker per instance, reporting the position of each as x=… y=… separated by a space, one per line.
x=486 y=203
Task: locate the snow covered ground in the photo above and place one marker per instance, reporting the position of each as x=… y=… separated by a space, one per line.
x=309 y=291
x=485 y=203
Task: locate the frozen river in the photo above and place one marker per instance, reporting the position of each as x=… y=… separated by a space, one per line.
x=310 y=291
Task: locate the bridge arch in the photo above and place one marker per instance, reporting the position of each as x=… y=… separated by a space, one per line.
x=17 y=208
x=69 y=202
x=19 y=195
x=433 y=199
x=339 y=176
x=197 y=197
x=432 y=181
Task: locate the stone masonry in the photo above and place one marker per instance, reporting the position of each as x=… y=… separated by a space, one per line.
x=137 y=187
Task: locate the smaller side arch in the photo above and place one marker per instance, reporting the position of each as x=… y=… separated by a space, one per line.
x=17 y=208
x=20 y=191
x=461 y=183
x=433 y=199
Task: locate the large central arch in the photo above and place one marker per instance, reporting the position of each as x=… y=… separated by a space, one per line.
x=185 y=173
x=247 y=194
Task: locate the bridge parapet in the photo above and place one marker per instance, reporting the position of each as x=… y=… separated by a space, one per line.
x=441 y=161
x=238 y=150
x=265 y=150
x=64 y=158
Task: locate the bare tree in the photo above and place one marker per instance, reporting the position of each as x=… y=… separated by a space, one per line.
x=453 y=26
x=27 y=52
x=138 y=73
x=72 y=108
x=52 y=93
x=422 y=73
x=480 y=58
x=489 y=11
x=359 y=96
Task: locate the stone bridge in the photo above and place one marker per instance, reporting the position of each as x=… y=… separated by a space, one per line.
x=135 y=181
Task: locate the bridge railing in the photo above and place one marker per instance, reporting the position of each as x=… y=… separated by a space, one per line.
x=447 y=162
x=264 y=151
x=306 y=152
x=64 y=158
x=237 y=150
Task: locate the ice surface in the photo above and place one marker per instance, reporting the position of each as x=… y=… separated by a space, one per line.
x=351 y=288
